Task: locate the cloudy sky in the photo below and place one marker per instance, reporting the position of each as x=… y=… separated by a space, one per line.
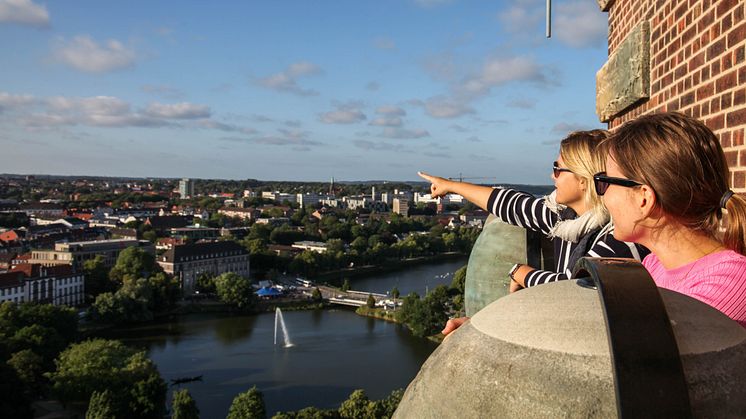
x=295 y=90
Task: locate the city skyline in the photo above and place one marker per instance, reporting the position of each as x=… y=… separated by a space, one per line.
x=296 y=91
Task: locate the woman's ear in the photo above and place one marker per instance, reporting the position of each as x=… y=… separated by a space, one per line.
x=646 y=201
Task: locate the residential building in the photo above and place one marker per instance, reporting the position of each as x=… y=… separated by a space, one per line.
x=186 y=188
x=76 y=253
x=401 y=206
x=242 y=213
x=194 y=234
x=58 y=285
x=308 y=199
x=12 y=287
x=189 y=261
x=318 y=247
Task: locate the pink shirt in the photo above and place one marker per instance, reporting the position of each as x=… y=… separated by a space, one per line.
x=718 y=279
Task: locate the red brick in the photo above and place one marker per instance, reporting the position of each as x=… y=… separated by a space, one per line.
x=724 y=6
x=715 y=105
x=739 y=97
x=705 y=21
x=742 y=75
x=726 y=62
x=731 y=157
x=705 y=91
x=739 y=180
x=739 y=55
x=716 y=122
x=736 y=118
x=726 y=81
x=738 y=138
x=715 y=49
x=726 y=99
x=737 y=35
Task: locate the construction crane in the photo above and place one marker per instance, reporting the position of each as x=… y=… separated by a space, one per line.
x=461 y=177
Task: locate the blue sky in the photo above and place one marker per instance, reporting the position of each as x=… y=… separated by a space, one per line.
x=295 y=90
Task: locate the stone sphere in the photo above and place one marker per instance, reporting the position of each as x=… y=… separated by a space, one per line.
x=543 y=353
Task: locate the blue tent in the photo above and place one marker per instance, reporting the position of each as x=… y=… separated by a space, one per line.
x=268 y=292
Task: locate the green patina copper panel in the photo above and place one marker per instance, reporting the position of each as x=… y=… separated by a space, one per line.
x=497 y=248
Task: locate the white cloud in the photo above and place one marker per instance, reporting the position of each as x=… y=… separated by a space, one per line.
x=24 y=12
x=522 y=103
x=296 y=138
x=346 y=113
x=576 y=23
x=15 y=101
x=182 y=110
x=474 y=139
x=342 y=117
x=212 y=124
x=379 y=145
x=393 y=121
x=520 y=18
x=498 y=71
x=444 y=107
x=580 y=24
x=403 y=133
x=85 y=54
x=103 y=111
x=286 y=81
x=564 y=128
x=391 y=110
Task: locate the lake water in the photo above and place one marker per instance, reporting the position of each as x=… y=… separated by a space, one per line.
x=334 y=351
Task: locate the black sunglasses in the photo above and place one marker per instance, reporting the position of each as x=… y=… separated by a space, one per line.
x=557 y=170
x=602 y=182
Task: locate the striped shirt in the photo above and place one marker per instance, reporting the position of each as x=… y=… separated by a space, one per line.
x=525 y=210
x=718 y=279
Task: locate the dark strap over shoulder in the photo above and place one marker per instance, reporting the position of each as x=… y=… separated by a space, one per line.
x=648 y=376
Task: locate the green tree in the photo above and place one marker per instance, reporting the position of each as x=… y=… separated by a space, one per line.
x=150 y=236
x=29 y=367
x=101 y=406
x=97 y=277
x=357 y=406
x=316 y=294
x=98 y=365
x=132 y=263
x=346 y=285
x=459 y=280
x=248 y=405
x=235 y=290
x=205 y=283
x=183 y=406
x=371 y=301
x=395 y=293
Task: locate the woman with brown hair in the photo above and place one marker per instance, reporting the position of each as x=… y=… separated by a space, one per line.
x=573 y=215
x=666 y=187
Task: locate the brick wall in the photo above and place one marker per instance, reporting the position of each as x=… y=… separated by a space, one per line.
x=697 y=66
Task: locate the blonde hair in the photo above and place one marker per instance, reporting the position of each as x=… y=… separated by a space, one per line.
x=682 y=161
x=585 y=155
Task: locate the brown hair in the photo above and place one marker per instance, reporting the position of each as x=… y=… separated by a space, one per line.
x=684 y=164
x=584 y=154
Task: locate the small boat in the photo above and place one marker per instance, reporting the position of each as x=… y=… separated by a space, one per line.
x=177 y=381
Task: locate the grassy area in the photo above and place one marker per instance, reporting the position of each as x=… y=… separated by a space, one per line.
x=378 y=313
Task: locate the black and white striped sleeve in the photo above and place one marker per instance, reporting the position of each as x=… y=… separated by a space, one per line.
x=606 y=246
x=521 y=209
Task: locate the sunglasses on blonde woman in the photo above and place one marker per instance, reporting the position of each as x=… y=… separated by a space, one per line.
x=602 y=182
x=556 y=170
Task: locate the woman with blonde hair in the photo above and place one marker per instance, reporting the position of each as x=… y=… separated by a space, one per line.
x=666 y=187
x=573 y=215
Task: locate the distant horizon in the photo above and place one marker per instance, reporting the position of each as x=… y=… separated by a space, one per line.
x=418 y=181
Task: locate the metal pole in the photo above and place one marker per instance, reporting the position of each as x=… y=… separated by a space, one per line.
x=549 y=18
